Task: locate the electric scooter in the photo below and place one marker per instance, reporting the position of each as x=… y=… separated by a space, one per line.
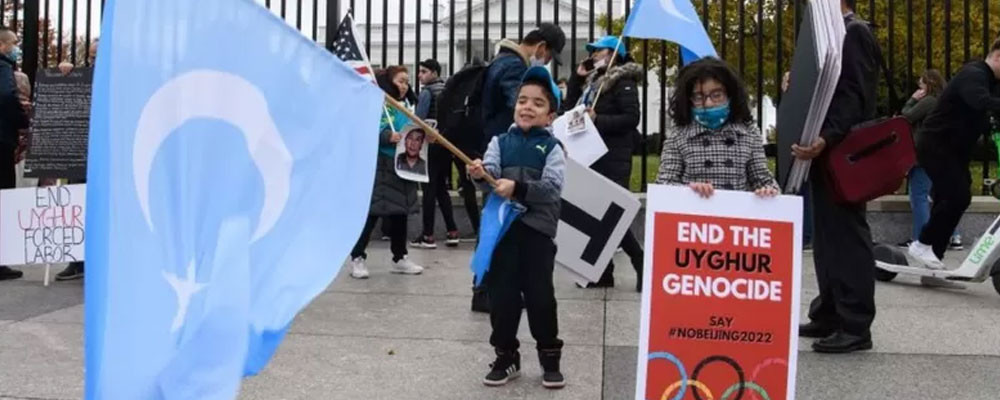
x=981 y=264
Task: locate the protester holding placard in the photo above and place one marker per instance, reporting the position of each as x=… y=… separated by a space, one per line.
x=529 y=165
x=12 y=119
x=616 y=116
x=393 y=198
x=715 y=143
x=842 y=314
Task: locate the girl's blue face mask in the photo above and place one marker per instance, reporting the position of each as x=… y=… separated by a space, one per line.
x=712 y=117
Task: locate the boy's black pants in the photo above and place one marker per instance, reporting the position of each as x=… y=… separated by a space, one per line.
x=522 y=266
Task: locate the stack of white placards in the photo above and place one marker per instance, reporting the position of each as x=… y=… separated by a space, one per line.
x=815 y=72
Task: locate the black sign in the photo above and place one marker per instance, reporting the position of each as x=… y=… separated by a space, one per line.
x=60 y=125
x=598 y=230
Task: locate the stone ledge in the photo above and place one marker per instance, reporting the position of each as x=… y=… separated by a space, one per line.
x=901 y=203
x=891 y=204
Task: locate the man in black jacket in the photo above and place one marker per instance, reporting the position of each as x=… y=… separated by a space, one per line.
x=616 y=117
x=12 y=118
x=944 y=149
x=439 y=165
x=842 y=314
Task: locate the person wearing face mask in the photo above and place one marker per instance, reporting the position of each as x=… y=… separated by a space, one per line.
x=616 y=117
x=12 y=119
x=715 y=143
x=538 y=48
x=393 y=198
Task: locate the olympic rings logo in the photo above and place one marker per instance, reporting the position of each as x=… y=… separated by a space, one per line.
x=738 y=388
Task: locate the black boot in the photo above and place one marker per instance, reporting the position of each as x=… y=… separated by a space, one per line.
x=507 y=367
x=551 y=377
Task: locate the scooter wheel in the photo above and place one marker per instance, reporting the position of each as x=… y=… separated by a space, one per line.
x=887 y=254
x=882 y=275
x=996 y=283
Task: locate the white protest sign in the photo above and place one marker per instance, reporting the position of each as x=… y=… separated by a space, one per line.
x=596 y=213
x=579 y=136
x=722 y=278
x=42 y=225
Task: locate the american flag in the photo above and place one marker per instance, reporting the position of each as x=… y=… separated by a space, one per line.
x=345 y=46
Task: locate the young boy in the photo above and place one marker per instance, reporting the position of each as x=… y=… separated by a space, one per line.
x=529 y=163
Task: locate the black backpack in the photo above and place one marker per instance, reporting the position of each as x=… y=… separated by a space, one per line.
x=459 y=108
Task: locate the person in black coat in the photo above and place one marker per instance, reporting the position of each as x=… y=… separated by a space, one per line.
x=842 y=314
x=616 y=116
x=12 y=119
x=944 y=148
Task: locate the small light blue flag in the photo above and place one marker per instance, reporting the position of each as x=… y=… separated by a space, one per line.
x=673 y=20
x=227 y=183
x=498 y=214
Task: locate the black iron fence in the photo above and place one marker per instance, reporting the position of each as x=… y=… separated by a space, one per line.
x=756 y=37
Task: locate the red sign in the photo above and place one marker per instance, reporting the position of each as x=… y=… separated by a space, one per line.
x=721 y=309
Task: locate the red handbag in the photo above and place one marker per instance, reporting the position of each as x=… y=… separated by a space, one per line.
x=872 y=161
x=875 y=157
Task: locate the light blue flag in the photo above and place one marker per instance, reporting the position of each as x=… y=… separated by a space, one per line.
x=498 y=214
x=673 y=20
x=227 y=183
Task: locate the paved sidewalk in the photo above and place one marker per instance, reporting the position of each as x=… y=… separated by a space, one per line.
x=403 y=337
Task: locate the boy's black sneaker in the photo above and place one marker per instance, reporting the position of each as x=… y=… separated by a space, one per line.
x=551 y=377
x=553 y=380
x=507 y=367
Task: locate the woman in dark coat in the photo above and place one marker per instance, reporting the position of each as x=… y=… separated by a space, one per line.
x=616 y=116
x=393 y=198
x=917 y=108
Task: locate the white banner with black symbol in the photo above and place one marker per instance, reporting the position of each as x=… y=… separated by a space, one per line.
x=596 y=213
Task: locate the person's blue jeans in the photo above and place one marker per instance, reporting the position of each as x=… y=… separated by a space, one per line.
x=920 y=204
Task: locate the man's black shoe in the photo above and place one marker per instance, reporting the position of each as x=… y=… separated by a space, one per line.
x=815 y=330
x=7 y=274
x=72 y=272
x=842 y=342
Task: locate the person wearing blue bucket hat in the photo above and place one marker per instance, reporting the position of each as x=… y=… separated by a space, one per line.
x=615 y=112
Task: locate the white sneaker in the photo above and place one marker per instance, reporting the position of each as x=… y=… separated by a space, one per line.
x=925 y=255
x=405 y=266
x=358 y=269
